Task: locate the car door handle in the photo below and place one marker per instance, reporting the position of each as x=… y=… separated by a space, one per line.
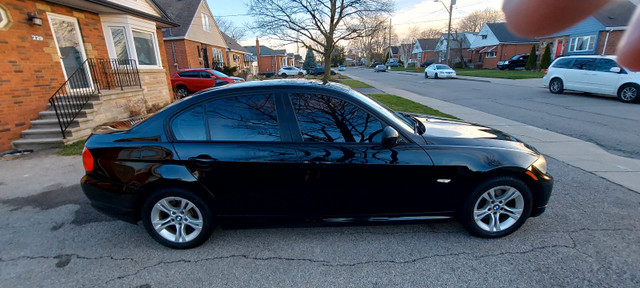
x=203 y=159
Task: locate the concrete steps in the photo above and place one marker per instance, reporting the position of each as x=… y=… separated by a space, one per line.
x=45 y=131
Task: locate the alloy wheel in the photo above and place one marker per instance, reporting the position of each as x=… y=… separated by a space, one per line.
x=629 y=94
x=176 y=219
x=498 y=208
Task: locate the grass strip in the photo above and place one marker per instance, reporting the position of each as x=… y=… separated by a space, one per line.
x=402 y=104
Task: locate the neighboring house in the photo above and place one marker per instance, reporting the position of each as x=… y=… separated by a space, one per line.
x=93 y=61
x=405 y=53
x=236 y=54
x=425 y=50
x=495 y=43
x=269 y=60
x=459 y=47
x=598 y=34
x=394 y=52
x=197 y=43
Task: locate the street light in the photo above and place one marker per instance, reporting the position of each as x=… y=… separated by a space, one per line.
x=450 y=10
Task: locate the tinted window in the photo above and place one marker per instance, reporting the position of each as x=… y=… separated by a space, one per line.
x=605 y=65
x=189 y=125
x=243 y=118
x=329 y=119
x=584 y=64
x=563 y=63
x=205 y=74
x=190 y=74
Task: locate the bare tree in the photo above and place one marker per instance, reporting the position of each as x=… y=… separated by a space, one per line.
x=320 y=22
x=236 y=32
x=430 y=33
x=371 y=42
x=474 y=21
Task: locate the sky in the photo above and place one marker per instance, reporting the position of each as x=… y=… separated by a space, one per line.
x=408 y=13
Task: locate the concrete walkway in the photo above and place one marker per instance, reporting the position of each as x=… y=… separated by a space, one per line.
x=584 y=155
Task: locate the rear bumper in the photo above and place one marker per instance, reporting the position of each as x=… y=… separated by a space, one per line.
x=111 y=199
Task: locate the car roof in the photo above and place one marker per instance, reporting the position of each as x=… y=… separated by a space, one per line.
x=589 y=56
x=298 y=84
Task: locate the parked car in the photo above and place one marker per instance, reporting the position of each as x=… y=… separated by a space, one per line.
x=380 y=68
x=291 y=71
x=514 y=62
x=320 y=71
x=393 y=63
x=374 y=64
x=593 y=74
x=341 y=68
x=187 y=81
x=304 y=148
x=439 y=71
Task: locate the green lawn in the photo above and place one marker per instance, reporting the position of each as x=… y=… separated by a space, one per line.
x=355 y=84
x=72 y=149
x=401 y=104
x=495 y=73
x=408 y=69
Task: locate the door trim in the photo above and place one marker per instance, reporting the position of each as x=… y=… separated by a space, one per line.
x=83 y=54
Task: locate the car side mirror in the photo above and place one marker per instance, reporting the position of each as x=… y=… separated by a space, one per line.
x=615 y=69
x=390 y=137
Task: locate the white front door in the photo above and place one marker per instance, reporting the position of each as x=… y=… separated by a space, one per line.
x=66 y=35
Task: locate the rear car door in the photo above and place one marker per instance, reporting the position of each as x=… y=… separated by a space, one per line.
x=347 y=169
x=234 y=145
x=579 y=74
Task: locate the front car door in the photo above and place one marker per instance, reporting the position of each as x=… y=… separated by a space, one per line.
x=604 y=81
x=347 y=169
x=235 y=147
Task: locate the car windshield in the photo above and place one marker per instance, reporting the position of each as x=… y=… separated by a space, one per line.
x=515 y=57
x=408 y=121
x=218 y=73
x=442 y=67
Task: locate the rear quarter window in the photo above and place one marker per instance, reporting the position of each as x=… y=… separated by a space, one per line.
x=563 y=63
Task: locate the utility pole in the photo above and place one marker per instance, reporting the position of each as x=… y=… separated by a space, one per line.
x=389 y=60
x=450 y=11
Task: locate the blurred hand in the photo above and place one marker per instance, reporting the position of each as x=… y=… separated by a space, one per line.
x=534 y=18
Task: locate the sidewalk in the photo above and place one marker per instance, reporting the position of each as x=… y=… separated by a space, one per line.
x=584 y=155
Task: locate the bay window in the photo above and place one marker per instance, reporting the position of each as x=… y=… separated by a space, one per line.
x=128 y=37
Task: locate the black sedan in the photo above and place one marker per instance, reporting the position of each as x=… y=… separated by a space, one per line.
x=299 y=148
x=320 y=71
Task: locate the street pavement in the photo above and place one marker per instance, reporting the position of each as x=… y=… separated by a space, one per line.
x=582 y=154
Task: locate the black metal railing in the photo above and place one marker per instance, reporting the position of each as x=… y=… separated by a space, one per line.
x=91 y=76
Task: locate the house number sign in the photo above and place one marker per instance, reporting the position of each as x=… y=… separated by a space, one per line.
x=37 y=38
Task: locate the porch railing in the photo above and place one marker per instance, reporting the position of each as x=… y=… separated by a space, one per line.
x=92 y=76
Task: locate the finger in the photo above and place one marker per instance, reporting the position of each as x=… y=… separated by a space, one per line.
x=532 y=18
x=628 y=54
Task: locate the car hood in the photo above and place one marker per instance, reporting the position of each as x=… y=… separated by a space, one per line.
x=441 y=131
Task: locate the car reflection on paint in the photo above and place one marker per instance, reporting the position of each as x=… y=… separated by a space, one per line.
x=303 y=148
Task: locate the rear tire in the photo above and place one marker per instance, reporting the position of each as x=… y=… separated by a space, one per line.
x=182 y=92
x=284 y=75
x=628 y=93
x=426 y=75
x=177 y=218
x=556 y=86
x=497 y=207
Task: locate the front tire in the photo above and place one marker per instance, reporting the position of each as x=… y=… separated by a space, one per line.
x=556 y=86
x=426 y=75
x=497 y=208
x=435 y=76
x=628 y=93
x=177 y=218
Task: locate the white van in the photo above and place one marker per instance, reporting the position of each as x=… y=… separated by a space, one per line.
x=593 y=74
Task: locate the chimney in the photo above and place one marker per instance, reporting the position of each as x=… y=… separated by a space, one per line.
x=258 y=54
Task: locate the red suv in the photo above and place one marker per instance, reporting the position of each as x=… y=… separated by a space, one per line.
x=187 y=81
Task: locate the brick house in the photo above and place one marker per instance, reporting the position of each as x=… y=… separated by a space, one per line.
x=197 y=43
x=495 y=43
x=459 y=47
x=394 y=52
x=98 y=56
x=598 y=34
x=269 y=60
x=236 y=54
x=424 y=50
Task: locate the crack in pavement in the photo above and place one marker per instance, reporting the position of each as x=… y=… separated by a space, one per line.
x=63 y=257
x=330 y=264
